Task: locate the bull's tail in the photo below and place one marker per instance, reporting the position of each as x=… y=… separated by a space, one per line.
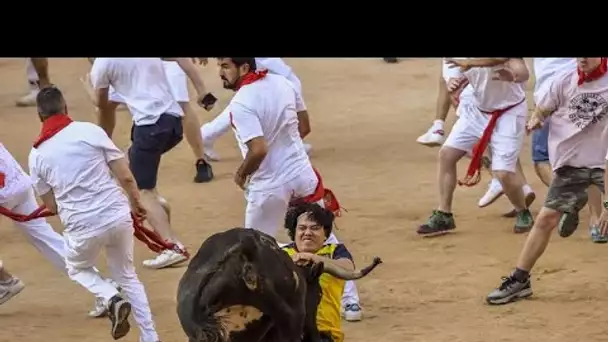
x=209 y=327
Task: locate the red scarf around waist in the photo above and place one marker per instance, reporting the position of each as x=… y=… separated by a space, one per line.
x=51 y=126
x=330 y=200
x=473 y=173
x=2 y=180
x=595 y=74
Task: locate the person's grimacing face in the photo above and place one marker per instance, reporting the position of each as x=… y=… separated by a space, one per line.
x=310 y=235
x=230 y=73
x=588 y=64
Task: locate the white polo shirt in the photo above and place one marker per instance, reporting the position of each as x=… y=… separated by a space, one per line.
x=141 y=83
x=74 y=164
x=268 y=108
x=16 y=181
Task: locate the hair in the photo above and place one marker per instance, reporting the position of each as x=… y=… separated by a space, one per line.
x=238 y=61
x=50 y=101
x=315 y=212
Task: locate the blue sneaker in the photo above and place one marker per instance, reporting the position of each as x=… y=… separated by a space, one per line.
x=352 y=312
x=596 y=235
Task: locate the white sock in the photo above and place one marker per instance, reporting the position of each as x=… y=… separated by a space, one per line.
x=527 y=189
x=438 y=124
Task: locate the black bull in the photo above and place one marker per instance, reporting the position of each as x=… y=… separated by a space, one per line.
x=241 y=286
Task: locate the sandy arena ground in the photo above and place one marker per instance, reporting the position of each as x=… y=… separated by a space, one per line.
x=366 y=116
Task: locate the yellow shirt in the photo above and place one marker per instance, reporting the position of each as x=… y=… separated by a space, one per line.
x=328 y=313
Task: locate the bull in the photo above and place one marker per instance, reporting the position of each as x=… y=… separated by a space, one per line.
x=241 y=286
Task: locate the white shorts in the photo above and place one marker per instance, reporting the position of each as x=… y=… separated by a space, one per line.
x=178 y=83
x=266 y=209
x=507 y=139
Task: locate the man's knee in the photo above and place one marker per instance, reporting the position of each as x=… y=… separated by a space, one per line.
x=547 y=219
x=449 y=155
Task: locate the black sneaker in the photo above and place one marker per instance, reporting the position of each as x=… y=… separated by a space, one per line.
x=391 y=60
x=509 y=291
x=118 y=312
x=204 y=172
x=438 y=224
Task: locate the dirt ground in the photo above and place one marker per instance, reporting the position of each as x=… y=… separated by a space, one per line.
x=366 y=116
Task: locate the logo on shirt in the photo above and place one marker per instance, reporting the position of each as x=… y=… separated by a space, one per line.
x=587 y=108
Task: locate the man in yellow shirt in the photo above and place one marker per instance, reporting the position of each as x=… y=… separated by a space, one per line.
x=309 y=226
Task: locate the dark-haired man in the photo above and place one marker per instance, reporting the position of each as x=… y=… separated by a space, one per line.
x=309 y=227
x=276 y=169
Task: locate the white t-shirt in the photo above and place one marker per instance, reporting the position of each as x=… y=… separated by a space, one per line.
x=278 y=67
x=447 y=73
x=16 y=181
x=141 y=83
x=545 y=69
x=490 y=94
x=74 y=164
x=268 y=108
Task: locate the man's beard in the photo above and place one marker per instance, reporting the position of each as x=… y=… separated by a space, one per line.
x=231 y=86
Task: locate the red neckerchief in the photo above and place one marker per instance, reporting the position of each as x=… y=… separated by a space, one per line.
x=2 y=180
x=595 y=74
x=51 y=126
x=251 y=77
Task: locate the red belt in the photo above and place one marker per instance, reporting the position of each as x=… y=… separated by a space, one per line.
x=473 y=173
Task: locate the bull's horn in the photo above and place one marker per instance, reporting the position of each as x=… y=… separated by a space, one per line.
x=343 y=274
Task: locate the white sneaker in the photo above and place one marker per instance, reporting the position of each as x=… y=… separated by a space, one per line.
x=307 y=148
x=494 y=192
x=10 y=289
x=165 y=259
x=435 y=136
x=28 y=100
x=101 y=307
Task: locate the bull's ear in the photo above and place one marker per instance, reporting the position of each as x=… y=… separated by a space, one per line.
x=316 y=270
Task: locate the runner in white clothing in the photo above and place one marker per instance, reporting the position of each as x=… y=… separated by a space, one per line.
x=75 y=168
x=17 y=196
x=157 y=128
x=497 y=119
x=276 y=168
x=212 y=130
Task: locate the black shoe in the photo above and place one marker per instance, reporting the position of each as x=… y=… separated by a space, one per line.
x=204 y=172
x=118 y=312
x=391 y=60
x=509 y=291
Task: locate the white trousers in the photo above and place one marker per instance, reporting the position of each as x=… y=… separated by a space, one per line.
x=118 y=244
x=215 y=128
x=38 y=231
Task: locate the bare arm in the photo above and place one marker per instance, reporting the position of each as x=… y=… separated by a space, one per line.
x=107 y=111
x=344 y=263
x=49 y=201
x=122 y=173
x=256 y=153
x=303 y=123
x=192 y=72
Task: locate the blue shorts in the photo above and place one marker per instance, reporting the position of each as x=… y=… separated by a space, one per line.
x=540 y=144
x=149 y=143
